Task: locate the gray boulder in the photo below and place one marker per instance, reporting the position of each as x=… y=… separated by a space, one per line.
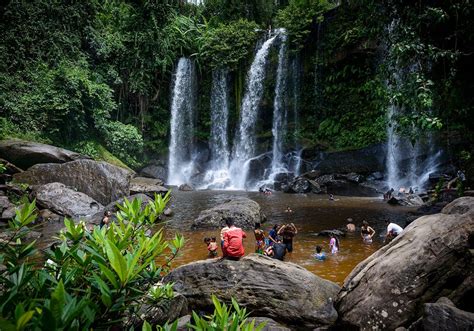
x=443 y=315
x=62 y=200
x=10 y=167
x=243 y=211
x=284 y=292
x=406 y=200
x=155 y=171
x=186 y=187
x=148 y=186
x=101 y=181
x=25 y=154
x=166 y=310
x=362 y=161
x=430 y=259
x=270 y=325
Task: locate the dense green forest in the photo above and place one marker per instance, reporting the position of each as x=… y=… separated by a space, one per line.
x=96 y=75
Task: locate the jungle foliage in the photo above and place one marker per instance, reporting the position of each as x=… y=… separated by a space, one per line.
x=102 y=71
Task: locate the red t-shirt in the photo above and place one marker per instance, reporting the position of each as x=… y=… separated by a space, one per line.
x=233 y=245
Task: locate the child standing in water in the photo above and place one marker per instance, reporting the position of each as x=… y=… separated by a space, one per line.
x=334 y=244
x=212 y=247
x=259 y=239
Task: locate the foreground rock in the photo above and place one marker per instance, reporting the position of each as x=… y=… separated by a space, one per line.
x=243 y=211
x=443 y=315
x=148 y=186
x=101 y=181
x=62 y=200
x=285 y=292
x=431 y=258
x=25 y=154
x=156 y=171
x=406 y=200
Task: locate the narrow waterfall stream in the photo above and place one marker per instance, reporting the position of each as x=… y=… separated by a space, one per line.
x=244 y=143
x=180 y=165
x=217 y=176
x=279 y=107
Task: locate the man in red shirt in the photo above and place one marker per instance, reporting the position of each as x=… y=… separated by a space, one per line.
x=233 y=247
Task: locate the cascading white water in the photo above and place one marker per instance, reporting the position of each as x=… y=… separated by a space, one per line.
x=244 y=143
x=407 y=165
x=217 y=176
x=180 y=166
x=296 y=160
x=279 y=107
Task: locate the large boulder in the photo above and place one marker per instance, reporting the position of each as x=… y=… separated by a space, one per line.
x=362 y=161
x=430 y=259
x=243 y=211
x=285 y=292
x=155 y=171
x=101 y=181
x=25 y=154
x=443 y=315
x=63 y=200
x=148 y=186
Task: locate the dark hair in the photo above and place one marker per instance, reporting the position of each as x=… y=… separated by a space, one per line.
x=318 y=249
x=275 y=226
x=257 y=225
x=229 y=221
x=207 y=239
x=106 y=212
x=213 y=239
x=365 y=223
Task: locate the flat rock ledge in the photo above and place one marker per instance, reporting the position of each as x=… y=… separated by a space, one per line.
x=284 y=292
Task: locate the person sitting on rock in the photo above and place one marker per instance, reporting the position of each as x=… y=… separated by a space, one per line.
x=366 y=232
x=288 y=232
x=223 y=230
x=393 y=230
x=259 y=239
x=233 y=248
x=350 y=226
x=319 y=255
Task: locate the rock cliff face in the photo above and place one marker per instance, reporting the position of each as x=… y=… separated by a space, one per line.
x=25 y=154
x=243 y=211
x=267 y=287
x=431 y=258
x=101 y=181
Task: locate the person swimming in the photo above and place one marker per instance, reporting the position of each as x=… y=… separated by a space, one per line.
x=366 y=232
x=319 y=255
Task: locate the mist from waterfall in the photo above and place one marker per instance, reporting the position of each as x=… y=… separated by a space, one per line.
x=217 y=176
x=181 y=165
x=244 y=142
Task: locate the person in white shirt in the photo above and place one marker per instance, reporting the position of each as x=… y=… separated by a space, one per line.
x=393 y=230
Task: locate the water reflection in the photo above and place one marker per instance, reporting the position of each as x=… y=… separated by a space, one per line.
x=312 y=214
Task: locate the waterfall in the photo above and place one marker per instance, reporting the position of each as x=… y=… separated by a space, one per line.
x=180 y=166
x=295 y=164
x=217 y=176
x=244 y=143
x=407 y=164
x=279 y=107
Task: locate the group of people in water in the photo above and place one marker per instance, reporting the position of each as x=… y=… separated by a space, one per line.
x=279 y=240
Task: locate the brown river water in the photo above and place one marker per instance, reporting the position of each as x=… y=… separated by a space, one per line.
x=311 y=214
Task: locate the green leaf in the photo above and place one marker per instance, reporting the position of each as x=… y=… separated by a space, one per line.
x=24 y=319
x=117 y=261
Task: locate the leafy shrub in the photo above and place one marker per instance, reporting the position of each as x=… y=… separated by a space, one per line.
x=123 y=140
x=92 y=278
x=297 y=18
x=225 y=45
